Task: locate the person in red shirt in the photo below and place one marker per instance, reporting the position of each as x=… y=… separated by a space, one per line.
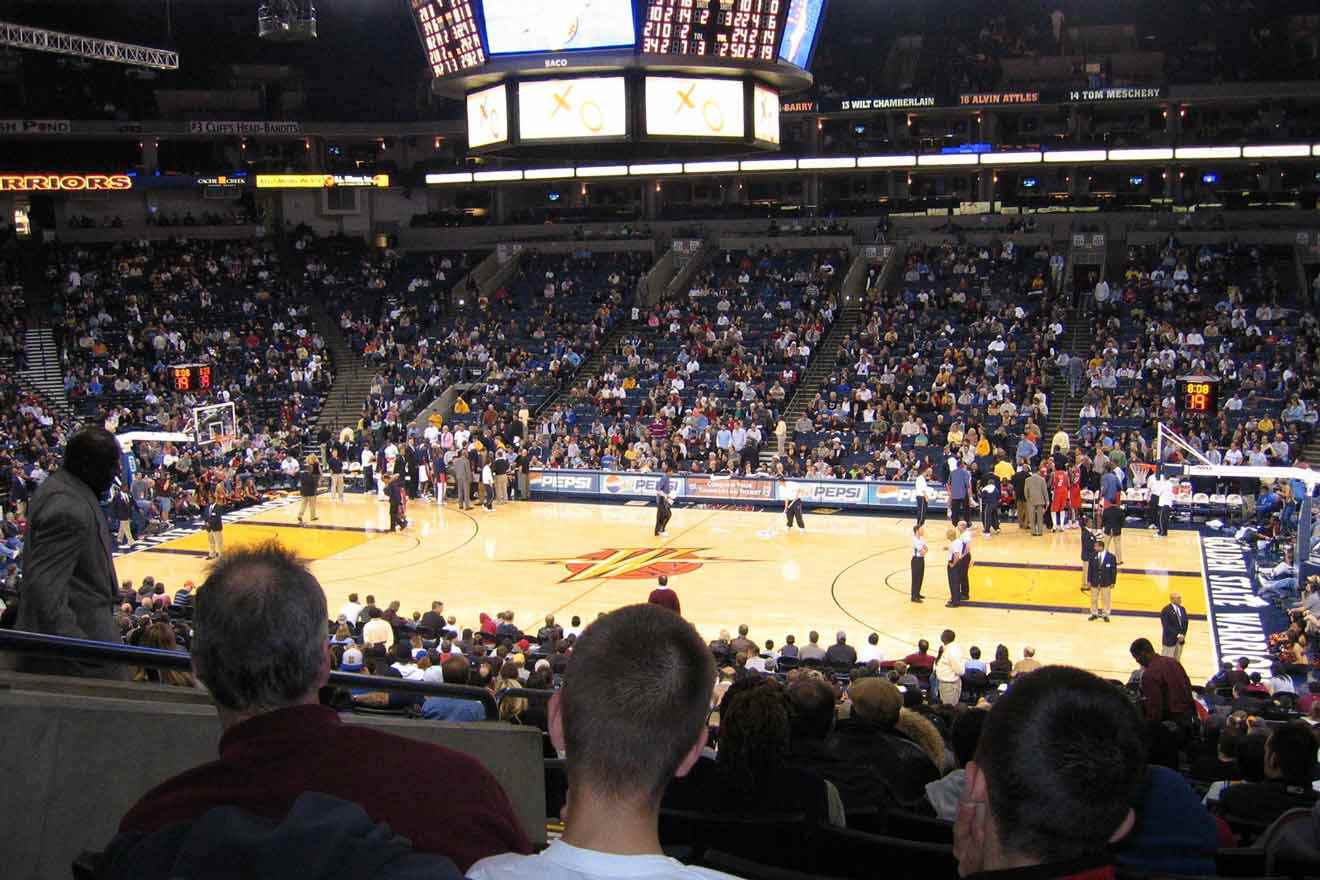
x=1165 y=688
x=261 y=650
x=922 y=657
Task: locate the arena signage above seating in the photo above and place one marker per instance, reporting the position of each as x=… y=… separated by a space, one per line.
x=64 y=182
x=321 y=181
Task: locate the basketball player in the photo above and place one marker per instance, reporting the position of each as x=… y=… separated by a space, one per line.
x=664 y=502
x=792 y=496
x=919 y=550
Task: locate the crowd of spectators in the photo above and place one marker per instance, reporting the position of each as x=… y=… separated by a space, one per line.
x=837 y=735
x=699 y=381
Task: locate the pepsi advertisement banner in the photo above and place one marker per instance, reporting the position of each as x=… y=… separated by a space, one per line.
x=638 y=485
x=859 y=494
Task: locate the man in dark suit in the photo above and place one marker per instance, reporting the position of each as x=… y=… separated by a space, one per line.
x=1101 y=573
x=69 y=585
x=1173 y=619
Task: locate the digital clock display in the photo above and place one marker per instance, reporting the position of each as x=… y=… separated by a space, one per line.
x=739 y=30
x=191 y=377
x=1200 y=397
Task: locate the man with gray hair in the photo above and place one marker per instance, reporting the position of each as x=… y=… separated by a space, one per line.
x=260 y=648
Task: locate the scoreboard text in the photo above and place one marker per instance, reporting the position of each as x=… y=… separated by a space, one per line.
x=739 y=30
x=191 y=377
x=449 y=35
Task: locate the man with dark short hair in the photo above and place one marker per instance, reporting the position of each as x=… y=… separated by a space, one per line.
x=260 y=648
x=630 y=717
x=1165 y=688
x=741 y=643
x=69 y=586
x=1060 y=762
x=812 y=649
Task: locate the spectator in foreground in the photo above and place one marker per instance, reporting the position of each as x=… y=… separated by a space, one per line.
x=260 y=648
x=69 y=583
x=630 y=717
x=1060 y=763
x=1290 y=759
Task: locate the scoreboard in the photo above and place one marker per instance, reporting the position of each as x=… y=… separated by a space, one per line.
x=1200 y=395
x=191 y=377
x=739 y=30
x=450 y=38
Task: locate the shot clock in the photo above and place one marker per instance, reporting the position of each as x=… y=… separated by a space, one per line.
x=191 y=377
x=1200 y=395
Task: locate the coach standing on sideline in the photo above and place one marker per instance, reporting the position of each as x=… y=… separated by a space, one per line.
x=1037 y=494
x=1173 y=620
x=664 y=501
x=462 y=471
x=69 y=584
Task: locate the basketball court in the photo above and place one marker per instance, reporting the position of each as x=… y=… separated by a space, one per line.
x=729 y=567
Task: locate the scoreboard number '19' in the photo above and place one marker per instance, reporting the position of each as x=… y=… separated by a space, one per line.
x=191 y=377
x=1200 y=396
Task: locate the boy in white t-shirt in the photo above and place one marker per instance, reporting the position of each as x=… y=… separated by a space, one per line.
x=630 y=716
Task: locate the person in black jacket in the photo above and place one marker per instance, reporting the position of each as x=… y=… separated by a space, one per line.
x=309 y=483
x=398 y=498
x=121 y=510
x=215 y=530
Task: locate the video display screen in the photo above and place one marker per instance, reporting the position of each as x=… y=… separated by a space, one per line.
x=448 y=29
x=572 y=109
x=516 y=27
x=488 y=116
x=746 y=30
x=765 y=114
x=694 y=107
x=800 y=31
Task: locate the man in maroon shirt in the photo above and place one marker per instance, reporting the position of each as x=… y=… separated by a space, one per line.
x=260 y=647
x=1166 y=690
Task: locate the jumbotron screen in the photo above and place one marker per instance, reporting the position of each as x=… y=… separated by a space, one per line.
x=465 y=37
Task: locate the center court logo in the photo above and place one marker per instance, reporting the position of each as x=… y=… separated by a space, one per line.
x=633 y=563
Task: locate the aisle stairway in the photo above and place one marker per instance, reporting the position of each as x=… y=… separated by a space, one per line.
x=1064 y=408
x=592 y=366
x=44 y=373
x=343 y=403
x=819 y=368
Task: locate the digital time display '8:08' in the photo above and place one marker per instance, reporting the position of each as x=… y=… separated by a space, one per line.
x=740 y=30
x=1199 y=397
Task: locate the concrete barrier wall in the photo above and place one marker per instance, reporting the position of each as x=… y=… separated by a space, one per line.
x=72 y=765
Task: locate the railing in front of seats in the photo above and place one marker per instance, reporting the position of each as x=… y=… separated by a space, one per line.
x=64 y=647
